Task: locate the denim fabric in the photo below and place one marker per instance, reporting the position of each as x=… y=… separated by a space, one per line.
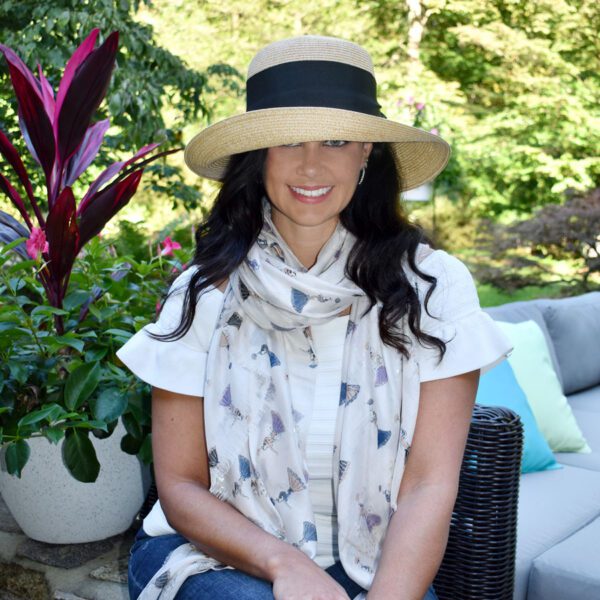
x=149 y=553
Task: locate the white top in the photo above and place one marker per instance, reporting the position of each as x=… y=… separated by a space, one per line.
x=180 y=366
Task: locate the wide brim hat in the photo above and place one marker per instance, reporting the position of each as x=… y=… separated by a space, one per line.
x=314 y=88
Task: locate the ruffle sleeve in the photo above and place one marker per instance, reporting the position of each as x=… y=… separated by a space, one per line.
x=473 y=340
x=179 y=365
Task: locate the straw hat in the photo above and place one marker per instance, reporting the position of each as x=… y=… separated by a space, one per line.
x=314 y=88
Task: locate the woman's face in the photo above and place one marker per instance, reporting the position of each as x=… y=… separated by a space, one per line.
x=310 y=183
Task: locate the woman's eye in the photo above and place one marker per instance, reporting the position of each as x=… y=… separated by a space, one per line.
x=335 y=143
x=295 y=145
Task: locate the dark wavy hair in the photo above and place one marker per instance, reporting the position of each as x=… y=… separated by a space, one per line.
x=374 y=216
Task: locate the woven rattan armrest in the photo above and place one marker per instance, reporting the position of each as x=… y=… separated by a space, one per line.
x=479 y=563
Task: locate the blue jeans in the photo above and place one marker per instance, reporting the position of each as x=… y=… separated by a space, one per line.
x=148 y=554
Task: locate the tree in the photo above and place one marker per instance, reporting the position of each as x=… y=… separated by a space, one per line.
x=516 y=85
x=148 y=82
x=531 y=96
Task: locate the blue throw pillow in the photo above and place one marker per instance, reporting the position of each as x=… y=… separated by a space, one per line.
x=499 y=387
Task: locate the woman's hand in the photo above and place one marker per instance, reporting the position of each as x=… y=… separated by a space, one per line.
x=302 y=579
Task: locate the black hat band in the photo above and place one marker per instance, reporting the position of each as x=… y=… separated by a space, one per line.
x=321 y=83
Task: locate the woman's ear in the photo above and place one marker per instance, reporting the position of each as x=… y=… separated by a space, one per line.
x=367 y=148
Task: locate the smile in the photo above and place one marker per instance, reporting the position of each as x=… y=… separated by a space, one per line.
x=314 y=193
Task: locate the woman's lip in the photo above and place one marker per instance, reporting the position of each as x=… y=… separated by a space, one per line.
x=310 y=188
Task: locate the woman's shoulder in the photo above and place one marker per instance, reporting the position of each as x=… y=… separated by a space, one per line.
x=437 y=259
x=440 y=264
x=454 y=291
x=178 y=363
x=206 y=312
x=210 y=296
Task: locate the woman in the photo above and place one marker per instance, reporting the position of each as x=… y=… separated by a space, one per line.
x=315 y=343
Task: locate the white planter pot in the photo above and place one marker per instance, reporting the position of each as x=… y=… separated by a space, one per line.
x=423 y=193
x=51 y=506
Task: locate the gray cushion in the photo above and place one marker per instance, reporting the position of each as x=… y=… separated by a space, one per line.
x=516 y=312
x=570 y=570
x=589 y=423
x=574 y=326
x=553 y=505
x=586 y=400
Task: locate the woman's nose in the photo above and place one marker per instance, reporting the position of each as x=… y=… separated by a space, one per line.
x=310 y=159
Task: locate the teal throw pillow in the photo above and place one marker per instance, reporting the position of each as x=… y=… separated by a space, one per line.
x=531 y=363
x=499 y=387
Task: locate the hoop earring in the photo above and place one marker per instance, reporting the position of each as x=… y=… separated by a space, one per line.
x=362 y=174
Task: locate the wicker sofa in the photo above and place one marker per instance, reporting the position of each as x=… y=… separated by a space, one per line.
x=558 y=531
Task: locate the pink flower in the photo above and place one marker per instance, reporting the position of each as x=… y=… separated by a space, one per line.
x=168 y=246
x=158 y=306
x=36 y=244
x=410 y=100
x=435 y=131
x=420 y=105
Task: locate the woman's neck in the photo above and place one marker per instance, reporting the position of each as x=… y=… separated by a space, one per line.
x=305 y=242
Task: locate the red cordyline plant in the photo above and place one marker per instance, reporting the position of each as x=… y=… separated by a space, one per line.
x=58 y=132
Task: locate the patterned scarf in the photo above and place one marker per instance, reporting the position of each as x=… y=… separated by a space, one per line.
x=255 y=455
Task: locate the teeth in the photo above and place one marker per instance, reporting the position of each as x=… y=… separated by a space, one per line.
x=311 y=193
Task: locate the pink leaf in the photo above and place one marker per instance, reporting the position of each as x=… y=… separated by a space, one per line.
x=110 y=172
x=142 y=152
x=47 y=94
x=14 y=60
x=83 y=97
x=102 y=206
x=15 y=198
x=23 y=128
x=14 y=160
x=86 y=152
x=35 y=124
x=103 y=178
x=63 y=238
x=78 y=57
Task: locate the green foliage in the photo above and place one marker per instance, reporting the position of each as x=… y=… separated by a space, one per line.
x=80 y=457
x=532 y=130
x=554 y=232
x=70 y=386
x=149 y=82
x=512 y=85
x=490 y=295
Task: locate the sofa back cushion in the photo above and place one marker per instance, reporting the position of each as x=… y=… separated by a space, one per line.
x=574 y=326
x=531 y=310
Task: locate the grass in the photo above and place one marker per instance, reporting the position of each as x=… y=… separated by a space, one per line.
x=490 y=295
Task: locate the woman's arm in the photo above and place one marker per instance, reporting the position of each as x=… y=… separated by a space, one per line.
x=215 y=527
x=418 y=531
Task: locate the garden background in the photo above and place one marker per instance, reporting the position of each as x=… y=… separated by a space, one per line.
x=513 y=86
